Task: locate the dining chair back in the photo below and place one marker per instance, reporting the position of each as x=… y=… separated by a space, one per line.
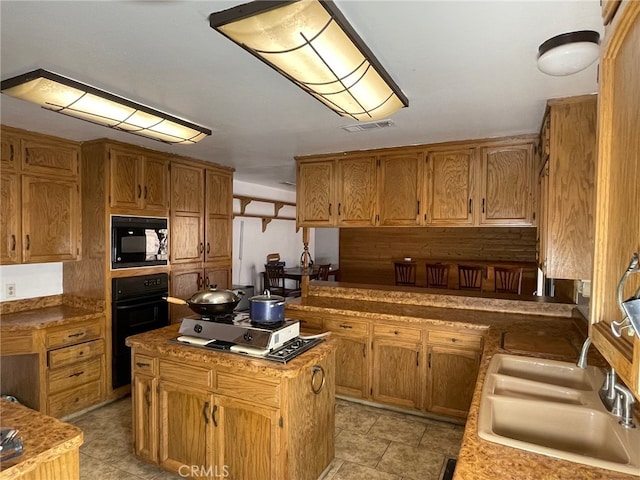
x=323 y=272
x=470 y=277
x=437 y=275
x=273 y=258
x=405 y=273
x=508 y=280
x=275 y=281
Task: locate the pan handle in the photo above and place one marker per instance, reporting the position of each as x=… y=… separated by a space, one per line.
x=177 y=301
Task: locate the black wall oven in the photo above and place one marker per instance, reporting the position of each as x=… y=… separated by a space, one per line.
x=139 y=241
x=138 y=305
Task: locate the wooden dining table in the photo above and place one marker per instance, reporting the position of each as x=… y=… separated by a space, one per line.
x=296 y=273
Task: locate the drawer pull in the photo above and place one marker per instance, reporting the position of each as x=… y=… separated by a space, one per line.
x=204 y=412
x=77 y=374
x=147 y=395
x=454 y=340
x=141 y=364
x=396 y=332
x=344 y=325
x=213 y=415
x=317 y=369
x=73 y=335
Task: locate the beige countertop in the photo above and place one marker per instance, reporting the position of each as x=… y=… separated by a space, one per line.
x=161 y=341
x=44 y=439
x=556 y=331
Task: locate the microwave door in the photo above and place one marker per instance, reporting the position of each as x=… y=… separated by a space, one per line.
x=131 y=245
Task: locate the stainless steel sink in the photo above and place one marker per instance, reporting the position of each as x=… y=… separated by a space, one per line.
x=553 y=408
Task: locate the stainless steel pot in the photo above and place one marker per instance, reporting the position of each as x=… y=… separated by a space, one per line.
x=266 y=308
x=211 y=301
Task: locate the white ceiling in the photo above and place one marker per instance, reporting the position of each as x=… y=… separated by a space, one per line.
x=468 y=69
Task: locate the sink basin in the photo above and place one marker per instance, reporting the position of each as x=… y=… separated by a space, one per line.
x=553 y=408
x=550 y=372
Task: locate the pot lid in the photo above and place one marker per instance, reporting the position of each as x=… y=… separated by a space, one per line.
x=214 y=296
x=266 y=297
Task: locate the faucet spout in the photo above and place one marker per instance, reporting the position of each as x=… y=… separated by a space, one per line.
x=582 y=359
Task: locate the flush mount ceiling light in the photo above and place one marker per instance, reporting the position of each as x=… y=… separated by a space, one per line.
x=311 y=43
x=568 y=53
x=64 y=95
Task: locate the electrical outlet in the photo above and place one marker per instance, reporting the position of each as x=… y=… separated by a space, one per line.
x=11 y=290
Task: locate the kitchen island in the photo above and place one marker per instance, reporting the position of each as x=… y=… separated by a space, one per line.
x=201 y=412
x=383 y=316
x=50 y=447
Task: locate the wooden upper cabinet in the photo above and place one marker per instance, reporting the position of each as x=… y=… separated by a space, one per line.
x=569 y=188
x=10 y=236
x=187 y=213
x=399 y=189
x=617 y=223
x=219 y=219
x=41 y=218
x=49 y=157
x=138 y=181
x=315 y=193
x=50 y=219
x=506 y=183
x=450 y=183
x=356 y=187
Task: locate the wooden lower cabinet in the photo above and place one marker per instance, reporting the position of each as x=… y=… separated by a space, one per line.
x=407 y=365
x=451 y=379
x=200 y=419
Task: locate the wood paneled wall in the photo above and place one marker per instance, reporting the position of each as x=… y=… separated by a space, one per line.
x=367 y=254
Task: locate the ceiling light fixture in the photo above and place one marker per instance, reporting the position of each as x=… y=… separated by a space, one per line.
x=312 y=44
x=568 y=53
x=64 y=95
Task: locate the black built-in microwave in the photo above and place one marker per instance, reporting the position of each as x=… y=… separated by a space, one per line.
x=139 y=241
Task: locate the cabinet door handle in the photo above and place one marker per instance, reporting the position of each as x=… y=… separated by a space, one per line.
x=470 y=206
x=28 y=239
x=206 y=280
x=429 y=360
x=199 y=281
x=329 y=209
x=418 y=208
x=204 y=412
x=208 y=248
x=13 y=243
x=213 y=415
x=145 y=192
x=147 y=396
x=483 y=201
x=201 y=247
x=364 y=350
x=317 y=369
x=11 y=153
x=139 y=191
x=417 y=359
x=339 y=209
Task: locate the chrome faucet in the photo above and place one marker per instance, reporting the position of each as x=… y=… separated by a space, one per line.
x=582 y=359
x=625 y=414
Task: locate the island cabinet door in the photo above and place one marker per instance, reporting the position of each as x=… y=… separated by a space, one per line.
x=247 y=439
x=186 y=430
x=352 y=358
x=397 y=368
x=144 y=417
x=452 y=375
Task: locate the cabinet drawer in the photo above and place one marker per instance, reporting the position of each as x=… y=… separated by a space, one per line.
x=397 y=331
x=50 y=157
x=186 y=374
x=456 y=338
x=69 y=335
x=314 y=324
x=348 y=327
x=250 y=389
x=144 y=364
x=75 y=399
x=74 y=375
x=75 y=353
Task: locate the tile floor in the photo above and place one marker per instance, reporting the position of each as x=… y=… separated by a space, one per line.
x=371 y=444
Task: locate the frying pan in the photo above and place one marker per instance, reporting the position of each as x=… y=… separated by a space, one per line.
x=210 y=301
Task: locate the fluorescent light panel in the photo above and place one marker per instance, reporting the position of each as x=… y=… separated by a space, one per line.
x=70 y=97
x=311 y=43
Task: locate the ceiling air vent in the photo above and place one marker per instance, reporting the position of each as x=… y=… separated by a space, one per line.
x=363 y=127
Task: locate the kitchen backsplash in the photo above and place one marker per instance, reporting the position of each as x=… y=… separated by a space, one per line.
x=30 y=281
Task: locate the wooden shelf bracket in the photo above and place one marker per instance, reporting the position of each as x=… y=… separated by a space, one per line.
x=266 y=219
